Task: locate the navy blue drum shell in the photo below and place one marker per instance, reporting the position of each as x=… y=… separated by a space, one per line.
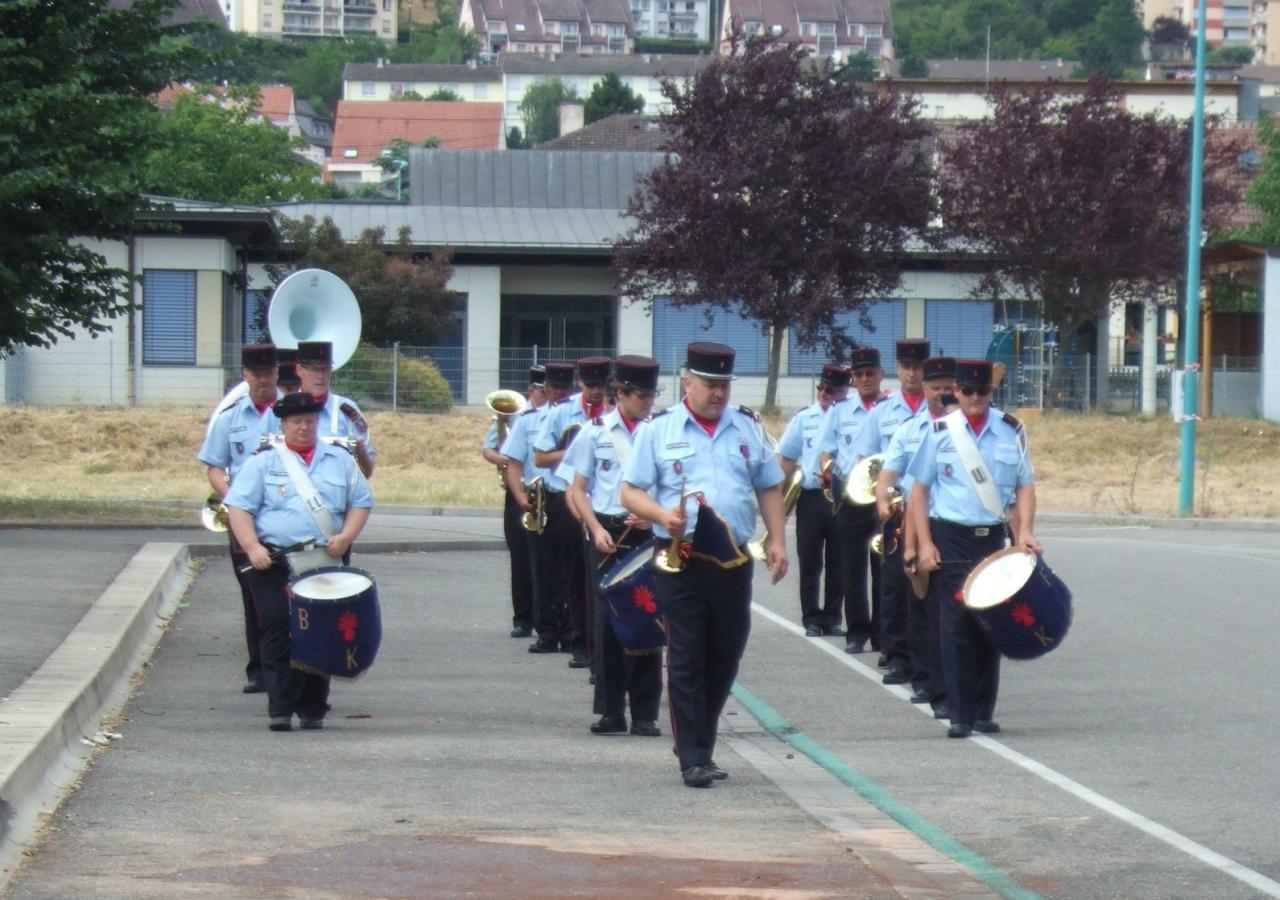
x=630 y=593
x=335 y=623
x=1023 y=607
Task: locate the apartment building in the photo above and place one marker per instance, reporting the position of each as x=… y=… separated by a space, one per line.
x=829 y=28
x=314 y=18
x=549 y=26
x=677 y=20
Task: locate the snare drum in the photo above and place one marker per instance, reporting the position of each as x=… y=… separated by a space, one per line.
x=631 y=594
x=335 y=624
x=1024 y=608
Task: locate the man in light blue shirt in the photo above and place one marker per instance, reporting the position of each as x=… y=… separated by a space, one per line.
x=340 y=416
x=720 y=459
x=816 y=533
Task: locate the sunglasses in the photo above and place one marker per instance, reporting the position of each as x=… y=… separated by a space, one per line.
x=828 y=389
x=970 y=390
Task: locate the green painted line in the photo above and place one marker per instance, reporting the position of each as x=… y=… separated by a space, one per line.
x=878 y=797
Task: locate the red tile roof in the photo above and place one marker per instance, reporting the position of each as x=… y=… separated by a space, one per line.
x=276 y=103
x=370 y=126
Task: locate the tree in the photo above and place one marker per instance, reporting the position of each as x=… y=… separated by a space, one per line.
x=401 y=298
x=610 y=96
x=211 y=151
x=540 y=108
x=788 y=195
x=437 y=43
x=1264 y=191
x=859 y=68
x=913 y=67
x=1166 y=31
x=317 y=76
x=76 y=77
x=515 y=140
x=1078 y=202
x=443 y=94
x=1113 y=41
x=395 y=160
x=1229 y=56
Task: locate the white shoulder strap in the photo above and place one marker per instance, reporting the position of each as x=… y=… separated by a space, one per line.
x=332 y=403
x=974 y=466
x=231 y=398
x=306 y=490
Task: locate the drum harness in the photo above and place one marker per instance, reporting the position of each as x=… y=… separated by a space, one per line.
x=311 y=498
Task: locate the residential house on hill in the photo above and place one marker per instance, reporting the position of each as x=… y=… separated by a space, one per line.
x=311 y=19
x=363 y=131
x=836 y=28
x=549 y=26
x=621 y=131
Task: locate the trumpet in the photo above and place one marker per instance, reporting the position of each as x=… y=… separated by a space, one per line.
x=506 y=405
x=895 y=512
x=756 y=546
x=672 y=560
x=535 y=520
x=213 y=515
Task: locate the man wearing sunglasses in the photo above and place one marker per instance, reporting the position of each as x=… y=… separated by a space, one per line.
x=816 y=534
x=973 y=489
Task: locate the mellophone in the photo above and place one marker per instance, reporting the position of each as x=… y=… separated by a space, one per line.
x=1022 y=605
x=335 y=622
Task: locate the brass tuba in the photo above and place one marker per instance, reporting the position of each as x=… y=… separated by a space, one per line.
x=505 y=405
x=213 y=515
x=535 y=520
x=755 y=546
x=315 y=305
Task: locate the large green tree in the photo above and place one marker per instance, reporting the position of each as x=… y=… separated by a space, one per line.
x=75 y=77
x=609 y=97
x=540 y=107
x=216 y=151
x=1264 y=191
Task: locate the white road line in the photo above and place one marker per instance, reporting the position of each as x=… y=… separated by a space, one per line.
x=1196 y=851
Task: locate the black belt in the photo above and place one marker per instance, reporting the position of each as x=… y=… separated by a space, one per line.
x=978 y=531
x=611 y=521
x=816 y=490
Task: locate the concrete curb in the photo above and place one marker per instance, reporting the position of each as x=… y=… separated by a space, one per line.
x=208 y=551
x=44 y=722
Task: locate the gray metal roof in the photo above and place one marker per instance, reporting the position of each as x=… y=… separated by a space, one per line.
x=601 y=64
x=421 y=72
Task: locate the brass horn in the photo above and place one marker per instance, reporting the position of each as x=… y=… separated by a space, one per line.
x=860 y=487
x=505 y=405
x=315 y=305
x=755 y=546
x=213 y=515
x=671 y=560
x=535 y=520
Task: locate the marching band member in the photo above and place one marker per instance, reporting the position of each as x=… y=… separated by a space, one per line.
x=816 y=534
x=903 y=405
x=595 y=463
x=231 y=438
x=703 y=445
x=837 y=445
x=923 y=649
x=289 y=380
x=971 y=467
x=339 y=415
x=565 y=418
x=548 y=587
x=286 y=494
x=512 y=531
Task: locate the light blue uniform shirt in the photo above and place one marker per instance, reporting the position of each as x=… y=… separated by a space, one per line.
x=519 y=443
x=491 y=437
x=560 y=416
x=334 y=421
x=264 y=489
x=800 y=442
x=727 y=467
x=902 y=448
x=841 y=426
x=952 y=496
x=885 y=418
x=235 y=434
x=594 y=456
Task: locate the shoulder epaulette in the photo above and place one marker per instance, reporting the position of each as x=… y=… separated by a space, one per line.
x=749 y=413
x=260 y=449
x=1011 y=419
x=354 y=415
x=558 y=402
x=881 y=399
x=531 y=410
x=659 y=414
x=939 y=425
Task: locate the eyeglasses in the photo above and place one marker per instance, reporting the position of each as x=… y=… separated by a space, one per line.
x=828 y=389
x=969 y=390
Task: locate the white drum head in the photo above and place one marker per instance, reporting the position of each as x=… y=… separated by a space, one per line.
x=998 y=577
x=332 y=585
x=628 y=567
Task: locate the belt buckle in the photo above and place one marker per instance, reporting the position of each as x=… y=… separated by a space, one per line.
x=982 y=531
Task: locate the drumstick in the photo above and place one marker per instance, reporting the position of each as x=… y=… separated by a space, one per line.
x=616 y=547
x=296 y=548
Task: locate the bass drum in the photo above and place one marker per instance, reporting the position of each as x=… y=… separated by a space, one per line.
x=1023 y=606
x=631 y=594
x=335 y=623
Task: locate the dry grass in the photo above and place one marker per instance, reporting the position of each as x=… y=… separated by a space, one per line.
x=64 y=463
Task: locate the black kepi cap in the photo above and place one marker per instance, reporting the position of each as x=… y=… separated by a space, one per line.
x=315 y=353
x=708 y=360
x=559 y=374
x=864 y=357
x=912 y=351
x=973 y=372
x=594 y=370
x=296 y=404
x=640 y=372
x=538 y=375
x=288 y=371
x=939 y=367
x=836 y=375
x=258 y=356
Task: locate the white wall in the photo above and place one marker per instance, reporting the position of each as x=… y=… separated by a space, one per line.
x=483 y=287
x=1271 y=337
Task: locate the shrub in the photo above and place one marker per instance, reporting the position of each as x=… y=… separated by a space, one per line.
x=367 y=378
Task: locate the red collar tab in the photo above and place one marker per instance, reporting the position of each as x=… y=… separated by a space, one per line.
x=977 y=423
x=591 y=412
x=262 y=407
x=629 y=423
x=324 y=400
x=707 y=425
x=305 y=454
x=913 y=401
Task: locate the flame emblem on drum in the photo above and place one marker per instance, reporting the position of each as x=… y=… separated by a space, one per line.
x=347 y=625
x=642 y=597
x=1022 y=614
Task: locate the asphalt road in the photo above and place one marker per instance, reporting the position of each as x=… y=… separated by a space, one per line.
x=1136 y=760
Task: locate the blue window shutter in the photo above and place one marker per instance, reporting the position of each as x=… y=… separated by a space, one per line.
x=255 y=303
x=168 y=318
x=674 y=328
x=890 y=320
x=960 y=328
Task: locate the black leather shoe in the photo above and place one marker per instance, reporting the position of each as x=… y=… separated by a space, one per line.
x=920 y=695
x=578 y=661
x=609 y=725
x=717 y=773
x=882 y=661
x=565 y=647
x=521 y=631
x=895 y=675
x=281 y=723
x=645 y=728
x=986 y=726
x=697 y=776
x=311 y=724
x=941 y=711
x=813 y=631
x=855 y=646
x=542 y=646
x=253 y=686
x=959 y=730
x=834 y=630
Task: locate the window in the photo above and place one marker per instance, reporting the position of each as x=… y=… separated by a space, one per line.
x=674 y=328
x=874 y=31
x=855 y=30
x=827 y=29
x=570 y=27
x=386 y=5
x=397 y=89
x=350 y=153
x=255 y=317
x=368 y=89
x=481 y=92
x=807 y=29
x=615 y=31
x=890 y=320
x=751 y=28
x=452 y=89
x=168 y=317
x=266 y=20
x=386 y=27
x=520 y=30
x=960 y=328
